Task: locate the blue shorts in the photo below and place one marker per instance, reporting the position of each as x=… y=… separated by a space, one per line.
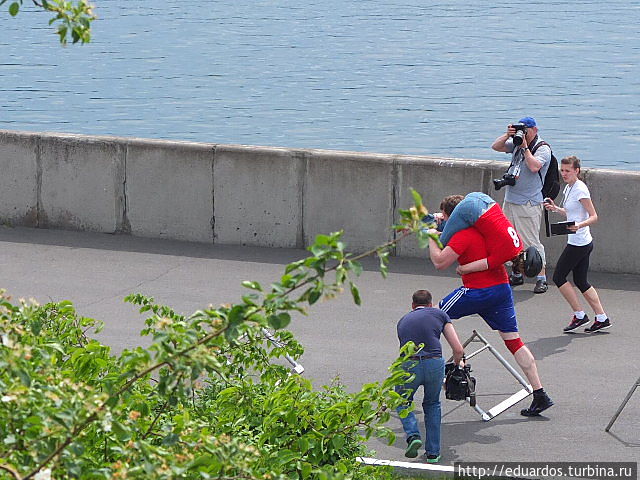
x=493 y=304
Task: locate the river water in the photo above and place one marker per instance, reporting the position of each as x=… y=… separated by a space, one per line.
x=411 y=77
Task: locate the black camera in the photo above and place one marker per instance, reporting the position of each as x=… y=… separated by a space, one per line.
x=507 y=179
x=521 y=131
x=459 y=384
x=430 y=220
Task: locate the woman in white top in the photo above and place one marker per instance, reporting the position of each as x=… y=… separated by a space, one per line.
x=578 y=207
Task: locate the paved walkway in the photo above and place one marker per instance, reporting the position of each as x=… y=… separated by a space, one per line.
x=588 y=376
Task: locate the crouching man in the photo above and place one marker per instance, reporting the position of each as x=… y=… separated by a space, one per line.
x=423 y=326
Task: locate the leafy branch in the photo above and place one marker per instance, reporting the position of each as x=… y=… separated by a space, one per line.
x=74 y=19
x=143 y=402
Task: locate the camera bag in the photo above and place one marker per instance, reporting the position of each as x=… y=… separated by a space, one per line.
x=459 y=384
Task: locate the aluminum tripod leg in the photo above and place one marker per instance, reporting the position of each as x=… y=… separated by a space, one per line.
x=513 y=399
x=295 y=366
x=623 y=404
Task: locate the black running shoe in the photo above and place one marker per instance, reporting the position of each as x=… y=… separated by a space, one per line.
x=539 y=404
x=598 y=326
x=515 y=280
x=575 y=323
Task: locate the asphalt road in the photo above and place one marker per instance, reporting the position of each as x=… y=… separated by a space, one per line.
x=587 y=376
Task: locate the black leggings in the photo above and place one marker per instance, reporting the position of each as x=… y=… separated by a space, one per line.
x=576 y=259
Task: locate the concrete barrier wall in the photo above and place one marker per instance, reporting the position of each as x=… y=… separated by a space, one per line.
x=263 y=196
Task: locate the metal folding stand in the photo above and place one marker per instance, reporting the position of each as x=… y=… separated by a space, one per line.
x=623 y=404
x=513 y=399
x=295 y=366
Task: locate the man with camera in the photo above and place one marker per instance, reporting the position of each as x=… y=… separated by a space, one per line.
x=523 y=199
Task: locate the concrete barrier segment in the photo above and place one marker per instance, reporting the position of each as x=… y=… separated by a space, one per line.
x=19 y=178
x=169 y=190
x=616 y=197
x=350 y=191
x=258 y=196
x=81 y=183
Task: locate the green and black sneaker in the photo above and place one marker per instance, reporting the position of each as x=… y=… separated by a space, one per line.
x=413 y=445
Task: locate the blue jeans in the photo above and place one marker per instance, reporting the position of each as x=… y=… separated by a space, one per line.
x=466 y=213
x=429 y=373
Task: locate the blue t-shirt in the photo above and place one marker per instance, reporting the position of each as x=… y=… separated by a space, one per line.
x=424 y=325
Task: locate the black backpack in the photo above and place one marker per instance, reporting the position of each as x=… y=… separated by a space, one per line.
x=551 y=182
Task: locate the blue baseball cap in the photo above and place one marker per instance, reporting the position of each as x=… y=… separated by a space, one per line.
x=528 y=122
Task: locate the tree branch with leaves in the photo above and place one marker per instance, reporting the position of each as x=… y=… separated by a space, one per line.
x=73 y=19
x=207 y=399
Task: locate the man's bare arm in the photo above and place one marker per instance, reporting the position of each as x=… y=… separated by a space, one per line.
x=499 y=144
x=441 y=258
x=475 y=266
x=454 y=342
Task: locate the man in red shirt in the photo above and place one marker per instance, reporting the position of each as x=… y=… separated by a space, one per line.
x=479 y=210
x=488 y=294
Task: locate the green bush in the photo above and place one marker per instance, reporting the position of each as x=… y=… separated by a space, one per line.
x=208 y=398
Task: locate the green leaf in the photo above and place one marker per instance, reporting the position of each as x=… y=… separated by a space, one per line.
x=423 y=239
x=252 y=285
x=14 y=8
x=285 y=456
x=356 y=267
x=417 y=199
x=322 y=240
x=121 y=432
x=279 y=321
x=355 y=293
x=236 y=315
x=24 y=377
x=305 y=469
x=338 y=442
x=303 y=445
x=170 y=439
x=318 y=250
x=314 y=295
x=292 y=266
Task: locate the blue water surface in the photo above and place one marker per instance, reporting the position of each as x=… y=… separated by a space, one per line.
x=411 y=77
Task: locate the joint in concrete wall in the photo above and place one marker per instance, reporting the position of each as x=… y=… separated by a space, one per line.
x=39 y=209
x=123 y=226
x=302 y=160
x=213 y=195
x=395 y=182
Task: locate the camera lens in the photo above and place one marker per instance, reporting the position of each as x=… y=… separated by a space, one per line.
x=517 y=138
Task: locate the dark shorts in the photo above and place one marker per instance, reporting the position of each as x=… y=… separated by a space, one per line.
x=493 y=304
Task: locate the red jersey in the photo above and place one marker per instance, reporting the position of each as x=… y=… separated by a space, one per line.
x=470 y=245
x=503 y=242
